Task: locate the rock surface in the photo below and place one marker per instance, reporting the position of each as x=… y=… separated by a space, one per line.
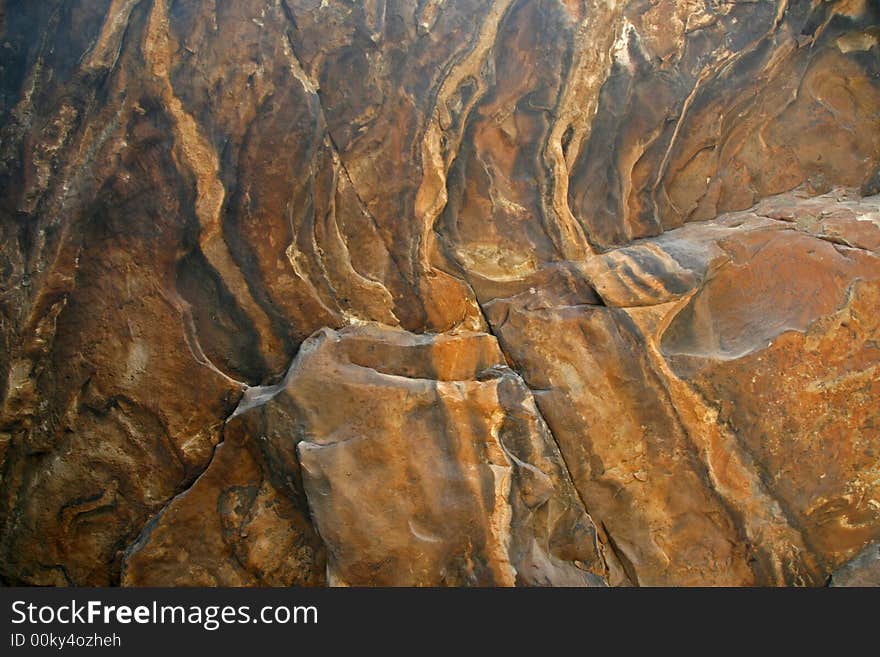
x=514 y=292
x=863 y=570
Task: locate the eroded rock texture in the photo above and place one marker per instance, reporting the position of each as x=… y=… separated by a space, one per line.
x=476 y=292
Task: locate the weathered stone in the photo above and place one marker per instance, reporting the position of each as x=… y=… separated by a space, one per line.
x=629 y=457
x=425 y=462
x=863 y=570
x=665 y=210
x=740 y=347
x=237 y=525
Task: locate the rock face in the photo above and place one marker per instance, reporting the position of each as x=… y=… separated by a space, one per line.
x=512 y=292
x=863 y=570
x=424 y=462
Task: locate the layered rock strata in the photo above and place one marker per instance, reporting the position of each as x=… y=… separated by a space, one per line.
x=517 y=292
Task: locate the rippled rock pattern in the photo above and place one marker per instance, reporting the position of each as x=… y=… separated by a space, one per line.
x=475 y=292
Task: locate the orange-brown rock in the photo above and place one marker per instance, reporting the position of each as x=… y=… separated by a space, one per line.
x=730 y=380
x=425 y=462
x=466 y=292
x=631 y=460
x=782 y=345
x=242 y=523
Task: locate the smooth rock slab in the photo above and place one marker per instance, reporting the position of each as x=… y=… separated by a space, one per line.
x=426 y=462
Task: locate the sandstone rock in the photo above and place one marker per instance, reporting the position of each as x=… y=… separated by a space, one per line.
x=728 y=350
x=665 y=211
x=863 y=570
x=425 y=462
x=628 y=455
x=239 y=524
